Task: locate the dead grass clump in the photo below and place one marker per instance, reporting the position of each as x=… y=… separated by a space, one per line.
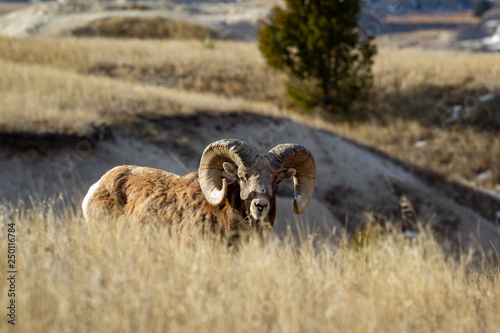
x=69 y=280
x=144 y=28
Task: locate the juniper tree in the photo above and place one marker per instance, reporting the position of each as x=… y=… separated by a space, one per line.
x=319 y=45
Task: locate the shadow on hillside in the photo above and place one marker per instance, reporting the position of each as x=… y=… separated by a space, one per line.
x=43 y=144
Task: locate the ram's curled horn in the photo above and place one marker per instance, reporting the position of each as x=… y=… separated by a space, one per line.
x=210 y=171
x=301 y=159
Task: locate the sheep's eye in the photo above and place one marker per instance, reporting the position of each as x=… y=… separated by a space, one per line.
x=243 y=179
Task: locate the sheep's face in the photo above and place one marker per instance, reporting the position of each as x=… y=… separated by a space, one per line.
x=258 y=185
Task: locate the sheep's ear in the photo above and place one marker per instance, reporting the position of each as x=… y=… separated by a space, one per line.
x=231 y=169
x=288 y=173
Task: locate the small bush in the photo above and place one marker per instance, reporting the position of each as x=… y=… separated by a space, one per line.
x=322 y=49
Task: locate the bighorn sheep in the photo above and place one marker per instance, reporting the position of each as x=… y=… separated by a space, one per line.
x=206 y=198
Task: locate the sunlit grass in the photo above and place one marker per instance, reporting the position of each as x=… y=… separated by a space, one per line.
x=69 y=280
x=36 y=98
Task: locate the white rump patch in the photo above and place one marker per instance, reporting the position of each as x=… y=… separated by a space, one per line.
x=85 y=202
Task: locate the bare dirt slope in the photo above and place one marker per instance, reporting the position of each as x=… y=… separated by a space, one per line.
x=350 y=179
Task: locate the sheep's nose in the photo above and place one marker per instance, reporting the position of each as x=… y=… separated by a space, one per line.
x=260 y=206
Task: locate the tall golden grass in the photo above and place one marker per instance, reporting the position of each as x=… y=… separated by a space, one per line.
x=69 y=280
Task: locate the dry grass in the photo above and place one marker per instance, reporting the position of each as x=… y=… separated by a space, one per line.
x=231 y=69
x=460 y=154
x=39 y=96
x=144 y=28
x=71 y=281
x=413 y=82
x=464 y=17
x=415 y=91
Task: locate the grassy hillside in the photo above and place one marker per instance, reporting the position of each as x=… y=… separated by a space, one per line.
x=68 y=84
x=144 y=28
x=69 y=280
x=413 y=100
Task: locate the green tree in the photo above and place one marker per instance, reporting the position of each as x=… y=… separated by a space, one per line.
x=319 y=45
